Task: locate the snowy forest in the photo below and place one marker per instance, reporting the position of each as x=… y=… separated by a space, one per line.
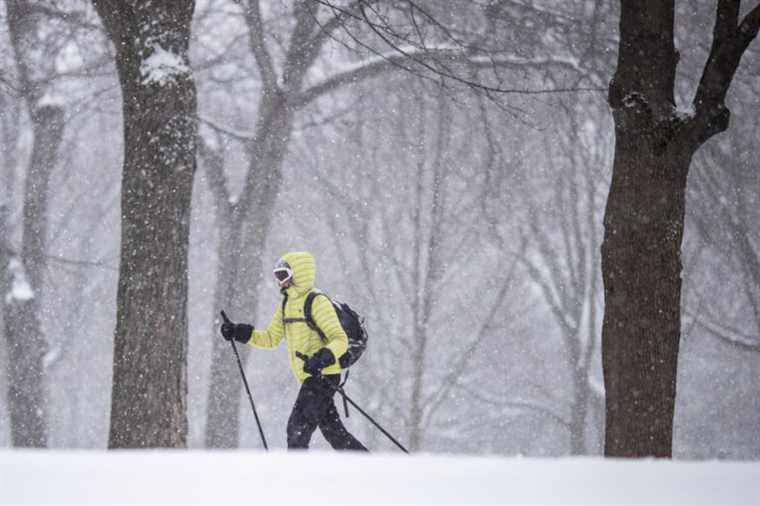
x=547 y=212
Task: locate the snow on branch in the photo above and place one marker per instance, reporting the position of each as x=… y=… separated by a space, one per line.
x=162 y=66
x=20 y=290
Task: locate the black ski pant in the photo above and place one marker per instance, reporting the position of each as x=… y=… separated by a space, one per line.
x=314 y=408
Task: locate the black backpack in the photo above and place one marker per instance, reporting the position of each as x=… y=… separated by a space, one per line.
x=352 y=323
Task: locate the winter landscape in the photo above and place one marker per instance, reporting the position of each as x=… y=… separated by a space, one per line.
x=527 y=228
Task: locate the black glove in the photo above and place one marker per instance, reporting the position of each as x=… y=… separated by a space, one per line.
x=238 y=331
x=315 y=363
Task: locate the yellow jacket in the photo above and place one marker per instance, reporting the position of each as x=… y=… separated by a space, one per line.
x=298 y=336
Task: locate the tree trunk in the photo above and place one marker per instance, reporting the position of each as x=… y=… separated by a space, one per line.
x=5 y=287
x=240 y=252
x=641 y=251
x=26 y=342
x=641 y=264
x=223 y=403
x=225 y=385
x=149 y=396
x=644 y=218
x=579 y=412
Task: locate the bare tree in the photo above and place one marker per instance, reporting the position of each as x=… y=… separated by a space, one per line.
x=287 y=88
x=644 y=218
x=149 y=396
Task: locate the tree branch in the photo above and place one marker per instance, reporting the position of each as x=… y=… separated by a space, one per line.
x=728 y=335
x=258 y=46
x=730 y=41
x=327 y=29
x=395 y=61
x=239 y=135
x=726 y=19
x=297 y=60
x=552 y=297
x=749 y=27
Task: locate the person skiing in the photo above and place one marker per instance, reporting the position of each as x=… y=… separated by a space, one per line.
x=314 y=362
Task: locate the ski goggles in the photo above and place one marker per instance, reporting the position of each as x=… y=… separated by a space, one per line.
x=282 y=272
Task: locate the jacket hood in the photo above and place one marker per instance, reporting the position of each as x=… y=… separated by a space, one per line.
x=304 y=271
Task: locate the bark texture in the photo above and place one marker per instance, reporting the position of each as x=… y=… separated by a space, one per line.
x=149 y=396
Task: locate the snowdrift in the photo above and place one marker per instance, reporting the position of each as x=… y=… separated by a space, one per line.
x=251 y=477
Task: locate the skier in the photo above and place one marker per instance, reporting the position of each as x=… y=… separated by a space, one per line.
x=319 y=372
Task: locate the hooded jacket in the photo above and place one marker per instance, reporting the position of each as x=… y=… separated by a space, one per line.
x=299 y=337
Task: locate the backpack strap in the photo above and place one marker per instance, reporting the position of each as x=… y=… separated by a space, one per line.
x=284 y=301
x=289 y=320
x=307 y=313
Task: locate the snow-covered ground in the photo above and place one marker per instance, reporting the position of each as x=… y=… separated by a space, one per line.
x=249 y=477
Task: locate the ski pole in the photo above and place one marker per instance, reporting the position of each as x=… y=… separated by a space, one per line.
x=245 y=382
x=360 y=410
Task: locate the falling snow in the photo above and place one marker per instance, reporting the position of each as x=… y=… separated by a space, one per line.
x=451 y=180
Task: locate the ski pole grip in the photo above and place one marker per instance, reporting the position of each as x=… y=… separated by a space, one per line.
x=301 y=356
x=224 y=317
